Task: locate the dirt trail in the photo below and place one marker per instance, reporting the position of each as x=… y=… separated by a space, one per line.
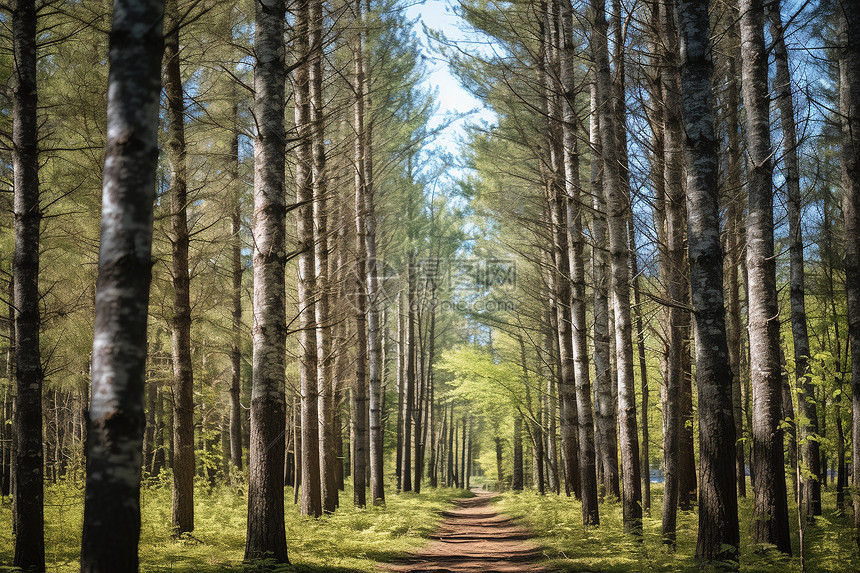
x=472 y=538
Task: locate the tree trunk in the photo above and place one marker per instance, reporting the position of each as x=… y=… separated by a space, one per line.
x=265 y=531
x=811 y=493
x=236 y=270
x=618 y=209
x=29 y=493
x=401 y=390
x=579 y=327
x=771 y=509
x=183 y=376
x=673 y=274
x=463 y=456
x=359 y=405
x=311 y=501
x=734 y=253
x=557 y=198
x=375 y=363
x=644 y=456
x=517 y=478
x=718 y=538
x=604 y=408
x=111 y=529
x=849 y=103
x=451 y=460
x=324 y=377
x=409 y=379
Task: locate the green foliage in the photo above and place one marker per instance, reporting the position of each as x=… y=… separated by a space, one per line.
x=349 y=540
x=557 y=523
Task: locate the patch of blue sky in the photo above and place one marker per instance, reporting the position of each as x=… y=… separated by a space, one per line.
x=456 y=107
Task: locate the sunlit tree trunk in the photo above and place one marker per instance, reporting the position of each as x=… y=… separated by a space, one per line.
x=358 y=404
x=374 y=334
x=673 y=274
x=306 y=291
x=111 y=527
x=409 y=377
x=606 y=436
x=771 y=509
x=811 y=487
x=579 y=327
x=265 y=532
x=718 y=537
x=618 y=210
x=29 y=456
x=324 y=373
x=555 y=173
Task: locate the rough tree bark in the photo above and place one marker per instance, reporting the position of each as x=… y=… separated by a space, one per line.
x=111 y=528
x=734 y=247
x=673 y=273
x=29 y=455
x=265 y=532
x=606 y=436
x=718 y=537
x=555 y=174
x=409 y=377
x=311 y=500
x=771 y=507
x=358 y=406
x=579 y=326
x=618 y=209
x=325 y=378
x=374 y=347
x=183 y=376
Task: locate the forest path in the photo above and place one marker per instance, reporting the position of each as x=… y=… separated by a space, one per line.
x=472 y=538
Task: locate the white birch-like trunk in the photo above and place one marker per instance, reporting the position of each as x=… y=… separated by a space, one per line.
x=111 y=528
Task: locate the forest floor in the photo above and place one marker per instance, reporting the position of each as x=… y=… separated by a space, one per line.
x=473 y=537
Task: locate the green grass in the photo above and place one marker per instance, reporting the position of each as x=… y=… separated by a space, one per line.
x=557 y=525
x=349 y=540
x=354 y=540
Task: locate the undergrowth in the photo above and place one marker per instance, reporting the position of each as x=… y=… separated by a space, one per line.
x=349 y=540
x=556 y=522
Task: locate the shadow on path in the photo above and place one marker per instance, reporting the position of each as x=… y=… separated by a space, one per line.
x=473 y=538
